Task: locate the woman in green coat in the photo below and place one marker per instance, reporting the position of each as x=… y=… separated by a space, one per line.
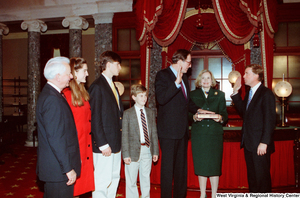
x=207 y=133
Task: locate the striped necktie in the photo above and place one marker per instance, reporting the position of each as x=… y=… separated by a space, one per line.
x=144 y=124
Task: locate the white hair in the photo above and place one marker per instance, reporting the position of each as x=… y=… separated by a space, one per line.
x=55 y=66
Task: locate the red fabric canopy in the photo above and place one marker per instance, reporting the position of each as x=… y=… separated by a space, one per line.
x=253 y=9
x=238 y=20
x=169 y=22
x=209 y=33
x=147 y=13
x=163 y=19
x=233 y=21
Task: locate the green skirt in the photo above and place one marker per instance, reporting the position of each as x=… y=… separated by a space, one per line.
x=207 y=154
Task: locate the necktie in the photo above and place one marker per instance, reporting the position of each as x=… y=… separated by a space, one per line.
x=250 y=97
x=183 y=91
x=144 y=124
x=115 y=92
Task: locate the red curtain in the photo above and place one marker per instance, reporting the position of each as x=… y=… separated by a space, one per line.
x=167 y=55
x=267 y=56
x=269 y=29
x=162 y=18
x=209 y=33
x=270 y=10
x=169 y=22
x=233 y=21
x=253 y=9
x=147 y=13
x=237 y=54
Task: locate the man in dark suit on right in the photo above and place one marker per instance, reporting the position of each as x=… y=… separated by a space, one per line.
x=259 y=120
x=173 y=96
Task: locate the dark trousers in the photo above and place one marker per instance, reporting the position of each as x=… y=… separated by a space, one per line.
x=173 y=166
x=258 y=172
x=58 y=190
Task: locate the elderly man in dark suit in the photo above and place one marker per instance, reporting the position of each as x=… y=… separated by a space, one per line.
x=173 y=96
x=58 y=157
x=107 y=112
x=259 y=116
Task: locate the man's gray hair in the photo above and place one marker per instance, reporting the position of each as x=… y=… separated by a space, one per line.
x=55 y=66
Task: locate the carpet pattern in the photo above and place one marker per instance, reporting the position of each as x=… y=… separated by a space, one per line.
x=18 y=178
x=17 y=175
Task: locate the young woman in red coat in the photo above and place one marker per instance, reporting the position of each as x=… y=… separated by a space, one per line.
x=78 y=99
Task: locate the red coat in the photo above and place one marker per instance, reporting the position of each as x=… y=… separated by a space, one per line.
x=82 y=117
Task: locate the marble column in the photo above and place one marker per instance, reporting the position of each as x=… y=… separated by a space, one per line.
x=33 y=72
x=103 y=37
x=255 y=53
x=75 y=24
x=3 y=30
x=155 y=66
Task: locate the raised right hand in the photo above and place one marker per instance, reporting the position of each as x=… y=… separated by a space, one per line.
x=237 y=85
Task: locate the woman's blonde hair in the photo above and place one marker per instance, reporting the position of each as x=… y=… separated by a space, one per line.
x=198 y=79
x=79 y=93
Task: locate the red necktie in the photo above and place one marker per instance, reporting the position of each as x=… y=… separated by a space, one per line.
x=183 y=91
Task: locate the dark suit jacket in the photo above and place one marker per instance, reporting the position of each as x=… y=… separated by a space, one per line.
x=106 y=116
x=173 y=108
x=259 y=119
x=58 y=149
x=131 y=140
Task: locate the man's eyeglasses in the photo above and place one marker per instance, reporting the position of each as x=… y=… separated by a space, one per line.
x=189 y=62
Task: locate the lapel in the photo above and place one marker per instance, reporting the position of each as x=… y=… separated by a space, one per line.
x=110 y=91
x=59 y=95
x=185 y=81
x=255 y=97
x=134 y=120
x=209 y=97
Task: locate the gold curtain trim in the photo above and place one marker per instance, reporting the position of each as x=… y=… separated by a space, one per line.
x=195 y=12
x=263 y=52
x=267 y=16
x=178 y=20
x=223 y=21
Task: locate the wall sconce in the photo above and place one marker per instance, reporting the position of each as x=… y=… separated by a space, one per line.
x=233 y=76
x=283 y=89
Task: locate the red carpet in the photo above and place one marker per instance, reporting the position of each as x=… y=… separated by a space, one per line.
x=18 y=178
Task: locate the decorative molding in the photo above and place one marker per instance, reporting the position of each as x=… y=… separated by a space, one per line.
x=103 y=17
x=19 y=10
x=75 y=22
x=3 y=29
x=34 y=25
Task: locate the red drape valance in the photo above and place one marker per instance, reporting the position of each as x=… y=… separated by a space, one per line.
x=233 y=21
x=237 y=20
x=162 y=18
x=209 y=33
